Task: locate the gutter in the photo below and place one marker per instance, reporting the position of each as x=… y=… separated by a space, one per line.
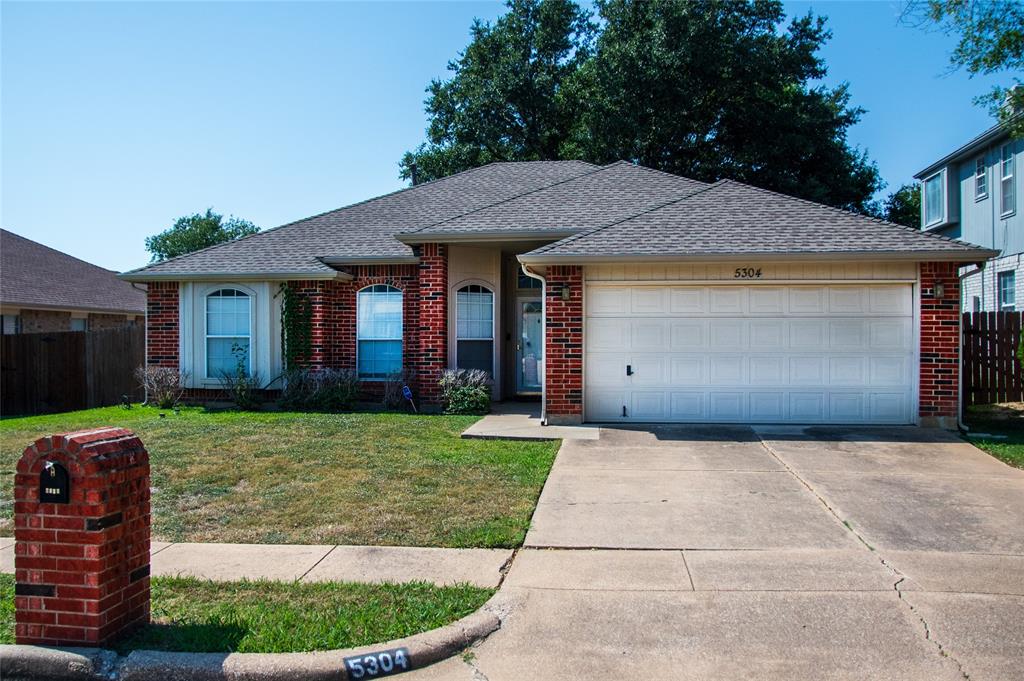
x=974 y=255
x=234 y=276
x=544 y=327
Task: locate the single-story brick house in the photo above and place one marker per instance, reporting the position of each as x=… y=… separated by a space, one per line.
x=617 y=292
x=43 y=290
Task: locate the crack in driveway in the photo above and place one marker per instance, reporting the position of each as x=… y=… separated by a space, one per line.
x=896 y=573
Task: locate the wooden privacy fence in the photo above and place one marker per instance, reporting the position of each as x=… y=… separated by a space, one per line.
x=991 y=372
x=45 y=373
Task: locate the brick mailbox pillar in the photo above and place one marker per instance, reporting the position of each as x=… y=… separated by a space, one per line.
x=81 y=530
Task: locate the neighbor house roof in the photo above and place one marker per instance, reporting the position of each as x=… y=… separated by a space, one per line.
x=595 y=210
x=730 y=218
x=363 y=231
x=35 y=276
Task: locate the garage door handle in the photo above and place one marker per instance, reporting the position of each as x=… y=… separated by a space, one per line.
x=629 y=369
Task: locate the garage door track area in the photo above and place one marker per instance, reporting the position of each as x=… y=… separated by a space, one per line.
x=766 y=553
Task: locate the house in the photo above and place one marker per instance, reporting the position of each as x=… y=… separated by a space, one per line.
x=618 y=293
x=973 y=194
x=43 y=290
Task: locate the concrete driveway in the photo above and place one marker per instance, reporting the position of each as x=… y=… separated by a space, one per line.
x=767 y=553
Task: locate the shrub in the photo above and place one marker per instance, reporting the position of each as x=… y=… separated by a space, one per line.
x=164 y=386
x=239 y=384
x=465 y=391
x=393 y=397
x=320 y=389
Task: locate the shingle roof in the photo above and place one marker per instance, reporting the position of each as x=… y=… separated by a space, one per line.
x=366 y=229
x=34 y=275
x=730 y=218
x=607 y=193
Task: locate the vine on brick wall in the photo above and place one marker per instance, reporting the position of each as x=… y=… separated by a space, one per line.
x=296 y=326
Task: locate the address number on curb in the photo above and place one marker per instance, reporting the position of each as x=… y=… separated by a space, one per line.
x=379 y=664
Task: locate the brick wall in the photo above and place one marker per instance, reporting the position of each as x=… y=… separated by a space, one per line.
x=563 y=364
x=940 y=338
x=99 y=322
x=82 y=567
x=162 y=324
x=432 y=358
x=44 y=321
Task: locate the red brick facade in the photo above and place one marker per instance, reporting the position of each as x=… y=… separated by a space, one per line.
x=82 y=567
x=432 y=323
x=940 y=341
x=162 y=324
x=564 y=344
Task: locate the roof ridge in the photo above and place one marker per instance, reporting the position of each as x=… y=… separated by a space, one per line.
x=843 y=211
x=597 y=169
x=651 y=209
x=311 y=217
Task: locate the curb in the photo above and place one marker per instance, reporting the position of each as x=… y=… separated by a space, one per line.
x=36 y=663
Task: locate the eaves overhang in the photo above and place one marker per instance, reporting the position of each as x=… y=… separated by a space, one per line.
x=143 y=277
x=974 y=256
x=341 y=261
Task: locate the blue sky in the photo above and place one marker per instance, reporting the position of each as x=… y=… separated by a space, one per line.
x=116 y=118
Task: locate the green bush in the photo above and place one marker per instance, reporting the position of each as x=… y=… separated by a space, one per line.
x=466 y=391
x=320 y=389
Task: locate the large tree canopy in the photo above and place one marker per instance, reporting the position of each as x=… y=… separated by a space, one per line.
x=193 y=232
x=706 y=88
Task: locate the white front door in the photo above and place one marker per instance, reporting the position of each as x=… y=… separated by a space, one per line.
x=750 y=354
x=529 y=345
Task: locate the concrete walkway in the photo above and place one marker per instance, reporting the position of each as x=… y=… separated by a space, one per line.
x=786 y=553
x=291 y=562
x=521 y=421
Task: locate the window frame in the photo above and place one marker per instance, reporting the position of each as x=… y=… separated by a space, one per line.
x=982 y=177
x=1007 y=160
x=941 y=175
x=401 y=333
x=1001 y=277
x=15 y=319
x=494 y=326
x=206 y=331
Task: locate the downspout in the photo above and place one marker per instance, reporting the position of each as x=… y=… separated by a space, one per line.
x=961 y=426
x=544 y=329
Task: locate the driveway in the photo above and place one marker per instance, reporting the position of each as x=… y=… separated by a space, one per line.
x=768 y=553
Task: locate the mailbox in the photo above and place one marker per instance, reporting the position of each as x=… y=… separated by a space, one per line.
x=54 y=486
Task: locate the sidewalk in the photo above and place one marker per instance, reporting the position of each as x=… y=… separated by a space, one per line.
x=521 y=421
x=318 y=563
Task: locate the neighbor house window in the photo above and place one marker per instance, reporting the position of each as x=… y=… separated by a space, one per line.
x=1008 y=199
x=976 y=303
x=474 y=339
x=980 y=179
x=10 y=324
x=1008 y=291
x=934 y=211
x=79 y=324
x=228 y=332
x=379 y=331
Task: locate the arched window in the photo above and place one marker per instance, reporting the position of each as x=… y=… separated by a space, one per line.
x=379 y=331
x=228 y=332
x=474 y=328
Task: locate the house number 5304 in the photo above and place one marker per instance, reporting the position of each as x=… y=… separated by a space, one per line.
x=747 y=273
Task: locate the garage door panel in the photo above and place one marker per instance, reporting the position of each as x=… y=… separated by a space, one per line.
x=803 y=354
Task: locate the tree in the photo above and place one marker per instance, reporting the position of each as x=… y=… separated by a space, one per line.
x=193 y=232
x=903 y=206
x=712 y=88
x=505 y=102
x=705 y=88
x=991 y=41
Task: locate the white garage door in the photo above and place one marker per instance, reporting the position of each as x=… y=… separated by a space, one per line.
x=750 y=354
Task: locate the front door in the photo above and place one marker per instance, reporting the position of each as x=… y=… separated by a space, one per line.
x=529 y=345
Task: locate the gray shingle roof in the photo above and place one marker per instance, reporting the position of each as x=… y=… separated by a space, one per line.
x=605 y=194
x=730 y=218
x=366 y=229
x=34 y=275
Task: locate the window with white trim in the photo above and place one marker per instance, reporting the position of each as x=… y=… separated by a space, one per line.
x=474 y=328
x=1007 y=291
x=379 y=331
x=980 y=179
x=933 y=197
x=228 y=332
x=10 y=324
x=1007 y=195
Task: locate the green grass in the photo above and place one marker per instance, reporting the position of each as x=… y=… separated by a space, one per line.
x=191 y=615
x=283 y=477
x=999 y=420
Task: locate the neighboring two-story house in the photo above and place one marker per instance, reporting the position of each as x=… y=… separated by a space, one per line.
x=974 y=194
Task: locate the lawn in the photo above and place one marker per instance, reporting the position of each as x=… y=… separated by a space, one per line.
x=283 y=477
x=191 y=615
x=999 y=430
